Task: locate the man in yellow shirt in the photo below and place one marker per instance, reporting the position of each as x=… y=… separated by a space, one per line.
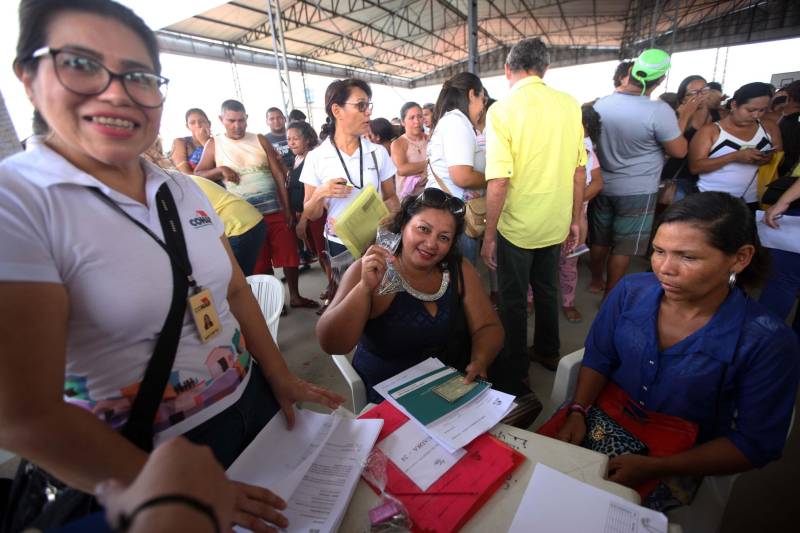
x=534 y=169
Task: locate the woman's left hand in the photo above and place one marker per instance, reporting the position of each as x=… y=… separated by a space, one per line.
x=289 y=389
x=476 y=369
x=631 y=470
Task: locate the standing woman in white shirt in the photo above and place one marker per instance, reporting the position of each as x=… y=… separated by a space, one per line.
x=88 y=274
x=339 y=169
x=726 y=155
x=455 y=161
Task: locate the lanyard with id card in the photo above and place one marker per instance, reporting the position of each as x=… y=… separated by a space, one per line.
x=200 y=302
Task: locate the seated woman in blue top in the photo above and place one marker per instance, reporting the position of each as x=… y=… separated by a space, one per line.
x=684 y=340
x=427 y=318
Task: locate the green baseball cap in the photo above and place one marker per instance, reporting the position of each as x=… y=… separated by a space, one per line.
x=650 y=65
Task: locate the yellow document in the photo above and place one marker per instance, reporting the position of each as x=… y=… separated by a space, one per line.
x=768 y=172
x=359 y=222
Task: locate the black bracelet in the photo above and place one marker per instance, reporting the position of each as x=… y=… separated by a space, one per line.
x=125 y=521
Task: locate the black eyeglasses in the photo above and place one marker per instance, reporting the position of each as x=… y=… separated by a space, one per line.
x=439 y=199
x=88 y=77
x=361 y=105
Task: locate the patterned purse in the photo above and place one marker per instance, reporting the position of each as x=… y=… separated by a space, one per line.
x=605 y=435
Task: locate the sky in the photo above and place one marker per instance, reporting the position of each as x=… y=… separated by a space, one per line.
x=205 y=84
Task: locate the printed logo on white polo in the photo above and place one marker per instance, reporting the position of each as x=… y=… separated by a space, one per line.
x=202 y=219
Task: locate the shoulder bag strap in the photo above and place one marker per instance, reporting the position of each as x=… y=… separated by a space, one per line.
x=139 y=427
x=439 y=180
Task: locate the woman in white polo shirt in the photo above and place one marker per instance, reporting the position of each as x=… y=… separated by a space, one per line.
x=88 y=275
x=344 y=163
x=456 y=160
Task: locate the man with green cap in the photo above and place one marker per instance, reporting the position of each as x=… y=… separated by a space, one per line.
x=636 y=133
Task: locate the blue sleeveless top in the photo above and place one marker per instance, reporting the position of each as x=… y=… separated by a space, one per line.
x=195 y=155
x=401 y=337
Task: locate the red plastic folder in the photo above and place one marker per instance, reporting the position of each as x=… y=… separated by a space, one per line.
x=483 y=470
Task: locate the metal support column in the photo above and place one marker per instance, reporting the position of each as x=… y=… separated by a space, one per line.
x=279 y=49
x=472 y=36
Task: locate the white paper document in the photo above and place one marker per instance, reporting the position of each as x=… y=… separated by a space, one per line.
x=552 y=498
x=420 y=457
x=314 y=467
x=462 y=426
x=786 y=237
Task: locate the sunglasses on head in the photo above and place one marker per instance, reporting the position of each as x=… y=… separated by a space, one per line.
x=439 y=199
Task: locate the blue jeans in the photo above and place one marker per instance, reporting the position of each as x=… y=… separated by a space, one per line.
x=229 y=433
x=470 y=248
x=247 y=246
x=780 y=293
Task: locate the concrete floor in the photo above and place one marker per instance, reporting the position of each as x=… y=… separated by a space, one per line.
x=761 y=501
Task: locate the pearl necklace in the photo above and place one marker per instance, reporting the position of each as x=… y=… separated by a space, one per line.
x=424 y=296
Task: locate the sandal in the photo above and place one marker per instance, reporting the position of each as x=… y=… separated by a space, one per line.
x=572 y=315
x=305 y=303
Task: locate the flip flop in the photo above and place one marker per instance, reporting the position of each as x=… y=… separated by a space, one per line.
x=572 y=315
x=594 y=290
x=305 y=303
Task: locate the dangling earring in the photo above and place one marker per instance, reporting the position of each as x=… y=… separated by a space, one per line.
x=732 y=280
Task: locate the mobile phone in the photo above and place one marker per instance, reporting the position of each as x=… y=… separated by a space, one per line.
x=768 y=151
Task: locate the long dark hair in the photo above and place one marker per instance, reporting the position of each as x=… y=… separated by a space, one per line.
x=592 y=124
x=408 y=106
x=306 y=131
x=455 y=95
x=412 y=205
x=337 y=93
x=684 y=86
x=35 y=17
x=383 y=129
x=727 y=223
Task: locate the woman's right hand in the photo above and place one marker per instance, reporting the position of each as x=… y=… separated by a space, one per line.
x=752 y=156
x=574 y=428
x=256 y=508
x=373 y=266
x=333 y=189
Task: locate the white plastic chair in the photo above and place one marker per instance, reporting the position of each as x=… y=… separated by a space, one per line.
x=268 y=291
x=358 y=391
x=704 y=515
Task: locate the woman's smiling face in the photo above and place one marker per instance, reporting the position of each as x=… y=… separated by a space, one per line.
x=110 y=127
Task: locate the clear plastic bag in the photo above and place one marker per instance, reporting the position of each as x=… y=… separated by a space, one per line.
x=390 y=516
x=391 y=281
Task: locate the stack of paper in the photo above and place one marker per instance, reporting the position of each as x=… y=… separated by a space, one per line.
x=314 y=467
x=556 y=502
x=452 y=426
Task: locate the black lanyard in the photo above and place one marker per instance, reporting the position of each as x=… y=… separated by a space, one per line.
x=170 y=225
x=360 y=164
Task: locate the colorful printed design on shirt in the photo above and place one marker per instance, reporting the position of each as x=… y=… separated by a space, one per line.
x=183 y=396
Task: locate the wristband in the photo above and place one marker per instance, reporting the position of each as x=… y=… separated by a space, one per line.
x=575 y=407
x=125 y=521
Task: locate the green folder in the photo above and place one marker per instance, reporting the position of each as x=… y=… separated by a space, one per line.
x=417 y=396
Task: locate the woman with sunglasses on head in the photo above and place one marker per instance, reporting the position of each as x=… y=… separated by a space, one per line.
x=441 y=310
x=339 y=169
x=456 y=162
x=103 y=252
x=187 y=151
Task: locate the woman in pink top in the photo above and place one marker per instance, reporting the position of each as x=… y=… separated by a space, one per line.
x=410 y=153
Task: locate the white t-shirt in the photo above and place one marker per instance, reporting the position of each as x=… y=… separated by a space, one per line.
x=322 y=164
x=119 y=280
x=455 y=142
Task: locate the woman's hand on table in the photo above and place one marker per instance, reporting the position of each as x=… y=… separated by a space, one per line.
x=289 y=389
x=373 y=266
x=632 y=470
x=574 y=428
x=256 y=508
x=476 y=369
x=774 y=213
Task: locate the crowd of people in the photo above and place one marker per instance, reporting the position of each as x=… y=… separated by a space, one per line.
x=106 y=238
